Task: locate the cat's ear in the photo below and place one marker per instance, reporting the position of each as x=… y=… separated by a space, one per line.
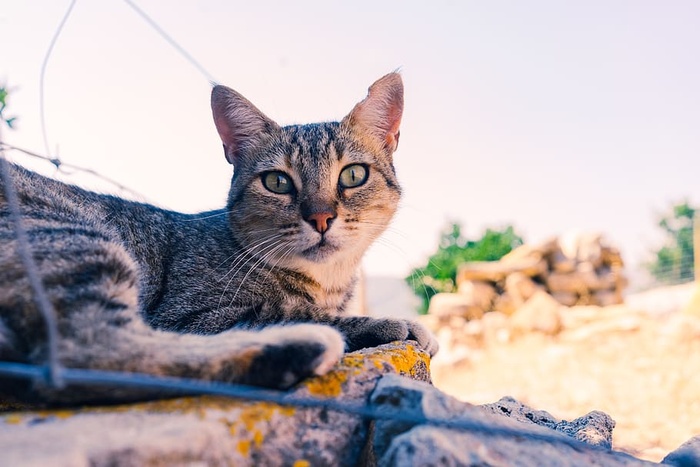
x=239 y=123
x=380 y=112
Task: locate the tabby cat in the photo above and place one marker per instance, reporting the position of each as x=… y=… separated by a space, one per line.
x=254 y=293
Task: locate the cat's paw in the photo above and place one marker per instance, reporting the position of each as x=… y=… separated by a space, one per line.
x=293 y=353
x=372 y=332
x=426 y=339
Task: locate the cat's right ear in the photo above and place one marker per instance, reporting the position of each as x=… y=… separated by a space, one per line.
x=239 y=123
x=379 y=114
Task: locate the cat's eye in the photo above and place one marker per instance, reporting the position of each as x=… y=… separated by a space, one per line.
x=353 y=176
x=278 y=182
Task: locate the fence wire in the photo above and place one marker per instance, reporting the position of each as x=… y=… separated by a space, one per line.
x=55 y=375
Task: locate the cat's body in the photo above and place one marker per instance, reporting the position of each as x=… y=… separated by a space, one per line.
x=305 y=203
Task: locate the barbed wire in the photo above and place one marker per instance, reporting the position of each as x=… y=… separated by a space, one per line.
x=59 y=164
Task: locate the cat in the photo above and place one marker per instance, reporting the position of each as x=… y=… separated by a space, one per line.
x=254 y=293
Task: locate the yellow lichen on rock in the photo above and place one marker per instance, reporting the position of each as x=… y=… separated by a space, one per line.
x=408 y=361
x=219 y=430
x=328 y=385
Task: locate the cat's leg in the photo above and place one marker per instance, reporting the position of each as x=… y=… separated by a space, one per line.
x=361 y=332
x=92 y=284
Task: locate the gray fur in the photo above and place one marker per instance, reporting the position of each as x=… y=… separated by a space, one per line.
x=253 y=293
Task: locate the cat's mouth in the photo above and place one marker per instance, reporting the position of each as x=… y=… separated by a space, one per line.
x=320 y=250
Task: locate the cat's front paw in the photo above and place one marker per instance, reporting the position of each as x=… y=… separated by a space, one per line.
x=293 y=353
x=426 y=340
x=372 y=332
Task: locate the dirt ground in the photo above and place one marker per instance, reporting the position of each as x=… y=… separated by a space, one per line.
x=644 y=371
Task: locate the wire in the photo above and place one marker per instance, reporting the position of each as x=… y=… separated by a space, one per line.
x=39 y=293
x=42 y=74
x=192 y=386
x=60 y=164
x=171 y=41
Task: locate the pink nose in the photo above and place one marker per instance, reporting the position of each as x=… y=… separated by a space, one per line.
x=321 y=221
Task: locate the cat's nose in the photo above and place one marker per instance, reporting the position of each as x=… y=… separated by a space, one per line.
x=321 y=221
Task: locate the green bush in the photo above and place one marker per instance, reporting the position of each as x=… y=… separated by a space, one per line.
x=9 y=121
x=674 y=261
x=440 y=272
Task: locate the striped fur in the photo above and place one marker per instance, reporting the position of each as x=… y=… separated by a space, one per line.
x=253 y=293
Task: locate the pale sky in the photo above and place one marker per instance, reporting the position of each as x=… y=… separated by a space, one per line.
x=552 y=116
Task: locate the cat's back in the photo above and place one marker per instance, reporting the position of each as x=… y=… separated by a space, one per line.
x=43 y=197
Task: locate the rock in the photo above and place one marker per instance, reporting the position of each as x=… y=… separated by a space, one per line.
x=687 y=454
x=496 y=271
x=582 y=246
x=540 y=313
x=478 y=293
x=402 y=443
x=520 y=288
x=580 y=282
x=511 y=408
x=212 y=430
x=607 y=297
x=496 y=328
x=504 y=304
x=594 y=428
x=611 y=256
x=565 y=298
x=446 y=305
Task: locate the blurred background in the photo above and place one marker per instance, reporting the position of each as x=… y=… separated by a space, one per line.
x=526 y=121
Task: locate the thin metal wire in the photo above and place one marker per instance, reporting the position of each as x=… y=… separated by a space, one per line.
x=52 y=372
x=60 y=164
x=237 y=391
x=42 y=74
x=171 y=41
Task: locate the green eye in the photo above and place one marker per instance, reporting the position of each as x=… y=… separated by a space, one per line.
x=353 y=176
x=277 y=182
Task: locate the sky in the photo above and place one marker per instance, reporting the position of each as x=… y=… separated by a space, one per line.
x=551 y=116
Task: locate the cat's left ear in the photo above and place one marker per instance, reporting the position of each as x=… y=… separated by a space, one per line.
x=239 y=123
x=380 y=112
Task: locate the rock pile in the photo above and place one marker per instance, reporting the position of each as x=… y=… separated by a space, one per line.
x=573 y=270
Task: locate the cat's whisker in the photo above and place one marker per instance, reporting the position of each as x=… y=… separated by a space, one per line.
x=262 y=259
x=249 y=251
x=415 y=271
x=282 y=257
x=234 y=270
x=196 y=217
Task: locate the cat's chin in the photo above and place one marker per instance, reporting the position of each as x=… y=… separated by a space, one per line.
x=319 y=252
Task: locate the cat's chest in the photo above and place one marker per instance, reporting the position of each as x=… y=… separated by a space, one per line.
x=328 y=293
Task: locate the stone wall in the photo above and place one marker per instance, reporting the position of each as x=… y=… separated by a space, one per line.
x=575 y=270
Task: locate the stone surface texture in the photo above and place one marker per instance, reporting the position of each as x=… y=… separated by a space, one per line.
x=415 y=424
x=210 y=430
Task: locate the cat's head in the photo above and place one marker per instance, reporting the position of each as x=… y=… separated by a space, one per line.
x=304 y=195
